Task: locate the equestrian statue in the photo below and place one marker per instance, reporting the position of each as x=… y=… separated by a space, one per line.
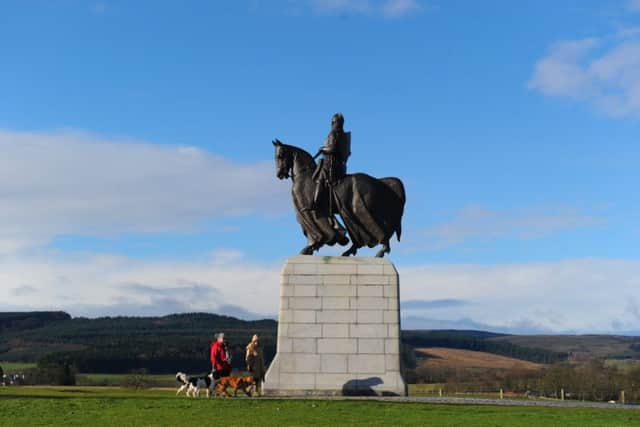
x=370 y=208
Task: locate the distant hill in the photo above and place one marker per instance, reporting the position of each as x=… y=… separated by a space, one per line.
x=120 y=344
x=181 y=342
x=579 y=346
x=19 y=321
x=481 y=341
x=450 y=358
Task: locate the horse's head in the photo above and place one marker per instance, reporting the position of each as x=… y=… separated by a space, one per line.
x=284 y=159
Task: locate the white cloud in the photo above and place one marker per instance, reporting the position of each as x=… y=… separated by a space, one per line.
x=602 y=71
x=477 y=222
x=93 y=285
x=397 y=8
x=342 y=6
x=385 y=8
x=70 y=182
x=581 y=295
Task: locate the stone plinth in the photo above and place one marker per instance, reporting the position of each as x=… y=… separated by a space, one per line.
x=338 y=328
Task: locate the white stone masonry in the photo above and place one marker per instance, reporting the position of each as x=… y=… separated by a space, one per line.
x=338 y=328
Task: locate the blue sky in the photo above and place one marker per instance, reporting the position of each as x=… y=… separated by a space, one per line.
x=138 y=159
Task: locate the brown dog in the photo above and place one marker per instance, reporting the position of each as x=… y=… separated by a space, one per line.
x=246 y=384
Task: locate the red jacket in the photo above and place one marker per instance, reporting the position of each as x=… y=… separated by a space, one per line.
x=219 y=357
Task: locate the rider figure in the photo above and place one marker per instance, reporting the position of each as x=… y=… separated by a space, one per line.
x=333 y=166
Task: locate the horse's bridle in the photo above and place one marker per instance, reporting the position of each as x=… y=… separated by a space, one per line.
x=306 y=168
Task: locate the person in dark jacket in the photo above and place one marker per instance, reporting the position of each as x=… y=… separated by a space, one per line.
x=220 y=357
x=255 y=362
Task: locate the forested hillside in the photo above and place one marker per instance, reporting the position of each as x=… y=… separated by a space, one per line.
x=17 y=321
x=121 y=344
x=181 y=342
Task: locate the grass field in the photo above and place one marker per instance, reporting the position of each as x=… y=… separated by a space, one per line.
x=117 y=380
x=623 y=364
x=455 y=358
x=15 y=367
x=97 y=406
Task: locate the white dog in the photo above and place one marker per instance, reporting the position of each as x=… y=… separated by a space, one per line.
x=193 y=385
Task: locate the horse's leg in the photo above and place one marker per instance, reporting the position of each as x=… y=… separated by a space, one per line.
x=311 y=248
x=386 y=248
x=353 y=250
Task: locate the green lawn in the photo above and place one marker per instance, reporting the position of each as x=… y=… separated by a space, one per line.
x=15 y=367
x=95 y=406
x=116 y=380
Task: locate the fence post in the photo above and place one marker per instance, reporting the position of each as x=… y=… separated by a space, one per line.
x=440 y=392
x=622 y=400
x=501 y=394
x=561 y=394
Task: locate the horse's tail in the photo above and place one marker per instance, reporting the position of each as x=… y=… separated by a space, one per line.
x=398 y=188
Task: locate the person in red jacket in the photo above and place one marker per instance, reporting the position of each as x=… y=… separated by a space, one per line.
x=220 y=357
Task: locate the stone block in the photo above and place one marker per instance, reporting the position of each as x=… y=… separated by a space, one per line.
x=304 y=290
x=368 y=330
x=304 y=316
x=299 y=363
x=391 y=346
x=330 y=381
x=336 y=280
x=333 y=363
x=285 y=316
x=337 y=269
x=370 y=345
x=394 y=330
x=369 y=316
x=366 y=364
x=287 y=269
x=337 y=291
x=330 y=330
x=390 y=291
x=392 y=362
x=368 y=303
x=285 y=345
x=304 y=345
x=283 y=329
x=336 y=316
x=295 y=381
x=335 y=303
x=307 y=303
x=370 y=291
x=305 y=330
x=370 y=280
x=299 y=279
x=305 y=269
x=390 y=270
x=370 y=270
x=337 y=345
x=391 y=316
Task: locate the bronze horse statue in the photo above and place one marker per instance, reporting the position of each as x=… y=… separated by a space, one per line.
x=370 y=208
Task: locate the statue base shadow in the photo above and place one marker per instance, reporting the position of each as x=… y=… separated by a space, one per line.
x=338 y=329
